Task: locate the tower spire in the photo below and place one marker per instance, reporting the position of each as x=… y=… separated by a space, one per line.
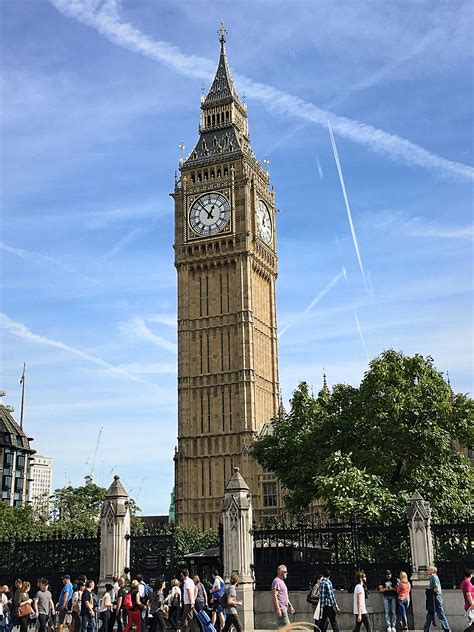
x=223 y=86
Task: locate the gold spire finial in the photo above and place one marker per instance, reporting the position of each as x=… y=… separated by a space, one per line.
x=222 y=33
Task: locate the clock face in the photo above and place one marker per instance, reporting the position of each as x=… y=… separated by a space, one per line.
x=209 y=214
x=264 y=222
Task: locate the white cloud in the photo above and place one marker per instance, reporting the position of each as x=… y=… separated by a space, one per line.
x=148 y=368
x=105 y=18
x=164 y=319
x=137 y=328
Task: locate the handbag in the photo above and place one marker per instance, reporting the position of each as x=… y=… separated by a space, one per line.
x=24 y=609
x=313 y=596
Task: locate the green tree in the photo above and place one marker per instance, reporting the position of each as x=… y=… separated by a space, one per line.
x=78 y=505
x=367 y=449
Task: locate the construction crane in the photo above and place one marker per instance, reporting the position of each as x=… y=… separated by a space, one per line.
x=90 y=463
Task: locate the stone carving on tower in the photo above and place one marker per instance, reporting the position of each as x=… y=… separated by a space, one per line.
x=226 y=262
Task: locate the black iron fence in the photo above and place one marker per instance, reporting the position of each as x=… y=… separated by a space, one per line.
x=154 y=555
x=453 y=551
x=342 y=548
x=49 y=557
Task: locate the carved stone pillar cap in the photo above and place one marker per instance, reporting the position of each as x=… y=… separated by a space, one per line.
x=116 y=490
x=237 y=482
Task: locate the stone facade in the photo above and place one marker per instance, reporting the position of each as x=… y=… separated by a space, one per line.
x=227 y=332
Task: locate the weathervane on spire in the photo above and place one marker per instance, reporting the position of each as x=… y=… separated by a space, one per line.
x=222 y=33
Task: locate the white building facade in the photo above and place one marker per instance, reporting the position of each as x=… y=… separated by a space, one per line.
x=40 y=485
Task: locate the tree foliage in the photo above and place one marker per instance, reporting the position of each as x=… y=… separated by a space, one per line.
x=367 y=449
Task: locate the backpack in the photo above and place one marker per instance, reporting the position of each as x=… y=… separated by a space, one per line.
x=127 y=602
x=313 y=596
x=219 y=593
x=224 y=599
x=176 y=601
x=147 y=590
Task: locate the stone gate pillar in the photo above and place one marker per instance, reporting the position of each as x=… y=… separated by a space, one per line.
x=114 y=533
x=238 y=542
x=421 y=545
x=421 y=542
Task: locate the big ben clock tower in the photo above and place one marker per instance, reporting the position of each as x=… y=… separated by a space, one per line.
x=225 y=256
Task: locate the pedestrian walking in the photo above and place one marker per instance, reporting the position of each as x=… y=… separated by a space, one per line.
x=232 y=616
x=135 y=608
x=105 y=606
x=87 y=607
x=467 y=589
x=217 y=591
x=157 y=603
x=43 y=604
x=24 y=609
x=403 y=598
x=281 y=602
x=313 y=599
x=3 y=608
x=76 y=605
x=173 y=600
x=434 y=602
x=328 y=604
x=64 y=601
x=145 y=591
x=187 y=617
x=388 y=589
x=200 y=595
x=118 y=611
x=360 y=608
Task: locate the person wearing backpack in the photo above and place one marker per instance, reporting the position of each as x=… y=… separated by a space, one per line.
x=217 y=590
x=134 y=606
x=229 y=601
x=145 y=591
x=173 y=600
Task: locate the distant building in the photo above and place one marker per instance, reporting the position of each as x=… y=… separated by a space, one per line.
x=41 y=479
x=16 y=456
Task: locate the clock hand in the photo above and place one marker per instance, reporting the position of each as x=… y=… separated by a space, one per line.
x=210 y=214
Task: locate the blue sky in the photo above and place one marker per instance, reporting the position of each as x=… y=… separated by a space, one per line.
x=96 y=97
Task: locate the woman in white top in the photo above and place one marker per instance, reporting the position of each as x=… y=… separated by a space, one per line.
x=360 y=609
x=106 y=605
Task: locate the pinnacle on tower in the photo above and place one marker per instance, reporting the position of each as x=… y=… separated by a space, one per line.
x=223 y=86
x=325 y=384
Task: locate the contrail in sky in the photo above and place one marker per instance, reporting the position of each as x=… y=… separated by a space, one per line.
x=320 y=169
x=106 y=19
x=361 y=337
x=316 y=299
x=346 y=202
x=21 y=331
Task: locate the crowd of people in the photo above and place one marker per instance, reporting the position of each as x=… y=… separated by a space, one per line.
x=396 y=594
x=179 y=605
x=184 y=604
